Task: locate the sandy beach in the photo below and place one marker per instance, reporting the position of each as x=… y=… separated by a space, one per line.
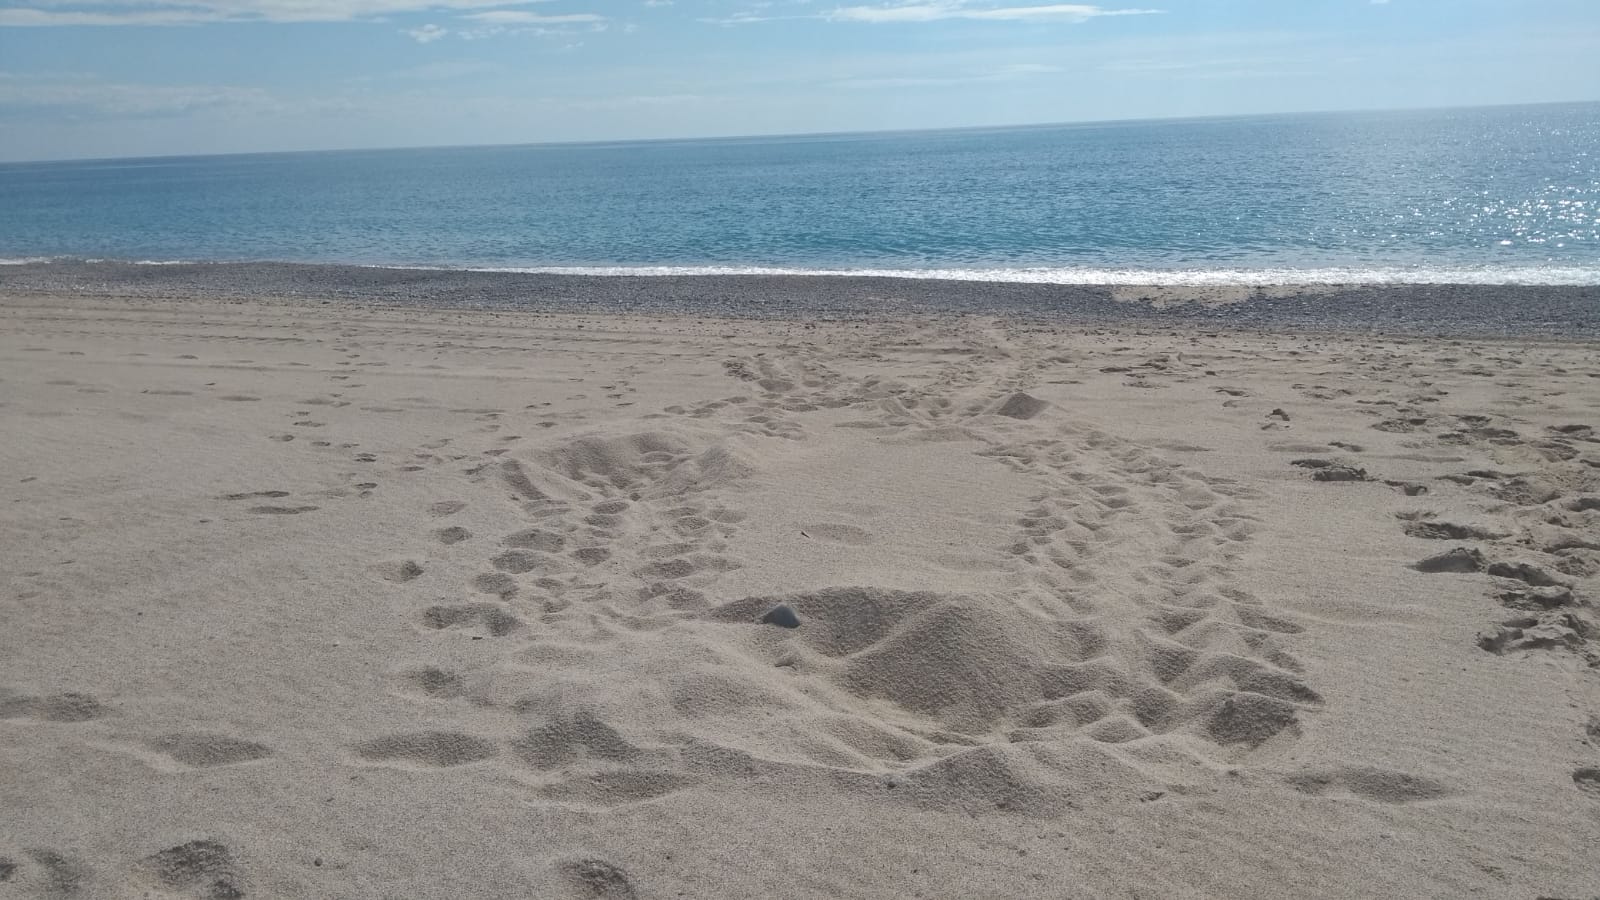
x=319 y=598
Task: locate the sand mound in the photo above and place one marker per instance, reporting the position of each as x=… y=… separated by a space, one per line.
x=1021 y=406
x=951 y=665
x=658 y=462
x=965 y=662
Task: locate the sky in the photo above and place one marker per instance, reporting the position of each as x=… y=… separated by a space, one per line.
x=119 y=78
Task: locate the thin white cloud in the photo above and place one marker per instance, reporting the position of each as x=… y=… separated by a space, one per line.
x=27 y=18
x=941 y=10
x=426 y=34
x=523 y=17
x=938 y=11
x=748 y=18
x=45 y=13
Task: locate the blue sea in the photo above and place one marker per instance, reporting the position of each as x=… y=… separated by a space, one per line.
x=1493 y=195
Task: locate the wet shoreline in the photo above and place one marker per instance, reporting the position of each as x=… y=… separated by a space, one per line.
x=1433 y=309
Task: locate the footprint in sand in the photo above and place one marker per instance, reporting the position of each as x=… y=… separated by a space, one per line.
x=616 y=788
x=435 y=683
x=202 y=868
x=1367 y=783
x=497 y=583
x=1326 y=470
x=398 y=571
x=251 y=495
x=538 y=539
x=202 y=750
x=517 y=562
x=47 y=874
x=65 y=707
x=667 y=569
x=1588 y=780
x=1460 y=560
x=281 y=510
x=1437 y=530
x=595 y=878
x=564 y=741
x=455 y=534
x=497 y=622
x=432 y=749
x=1551 y=631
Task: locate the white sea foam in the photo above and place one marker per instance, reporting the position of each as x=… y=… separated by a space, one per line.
x=1064 y=275
x=35 y=260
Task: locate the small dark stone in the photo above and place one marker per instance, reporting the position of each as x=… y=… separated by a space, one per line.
x=782 y=616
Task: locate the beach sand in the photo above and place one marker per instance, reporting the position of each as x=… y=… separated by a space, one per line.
x=306 y=600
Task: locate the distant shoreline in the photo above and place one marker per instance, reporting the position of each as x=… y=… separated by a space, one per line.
x=1442 y=309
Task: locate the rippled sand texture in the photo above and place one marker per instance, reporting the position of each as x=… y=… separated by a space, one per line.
x=323 y=601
